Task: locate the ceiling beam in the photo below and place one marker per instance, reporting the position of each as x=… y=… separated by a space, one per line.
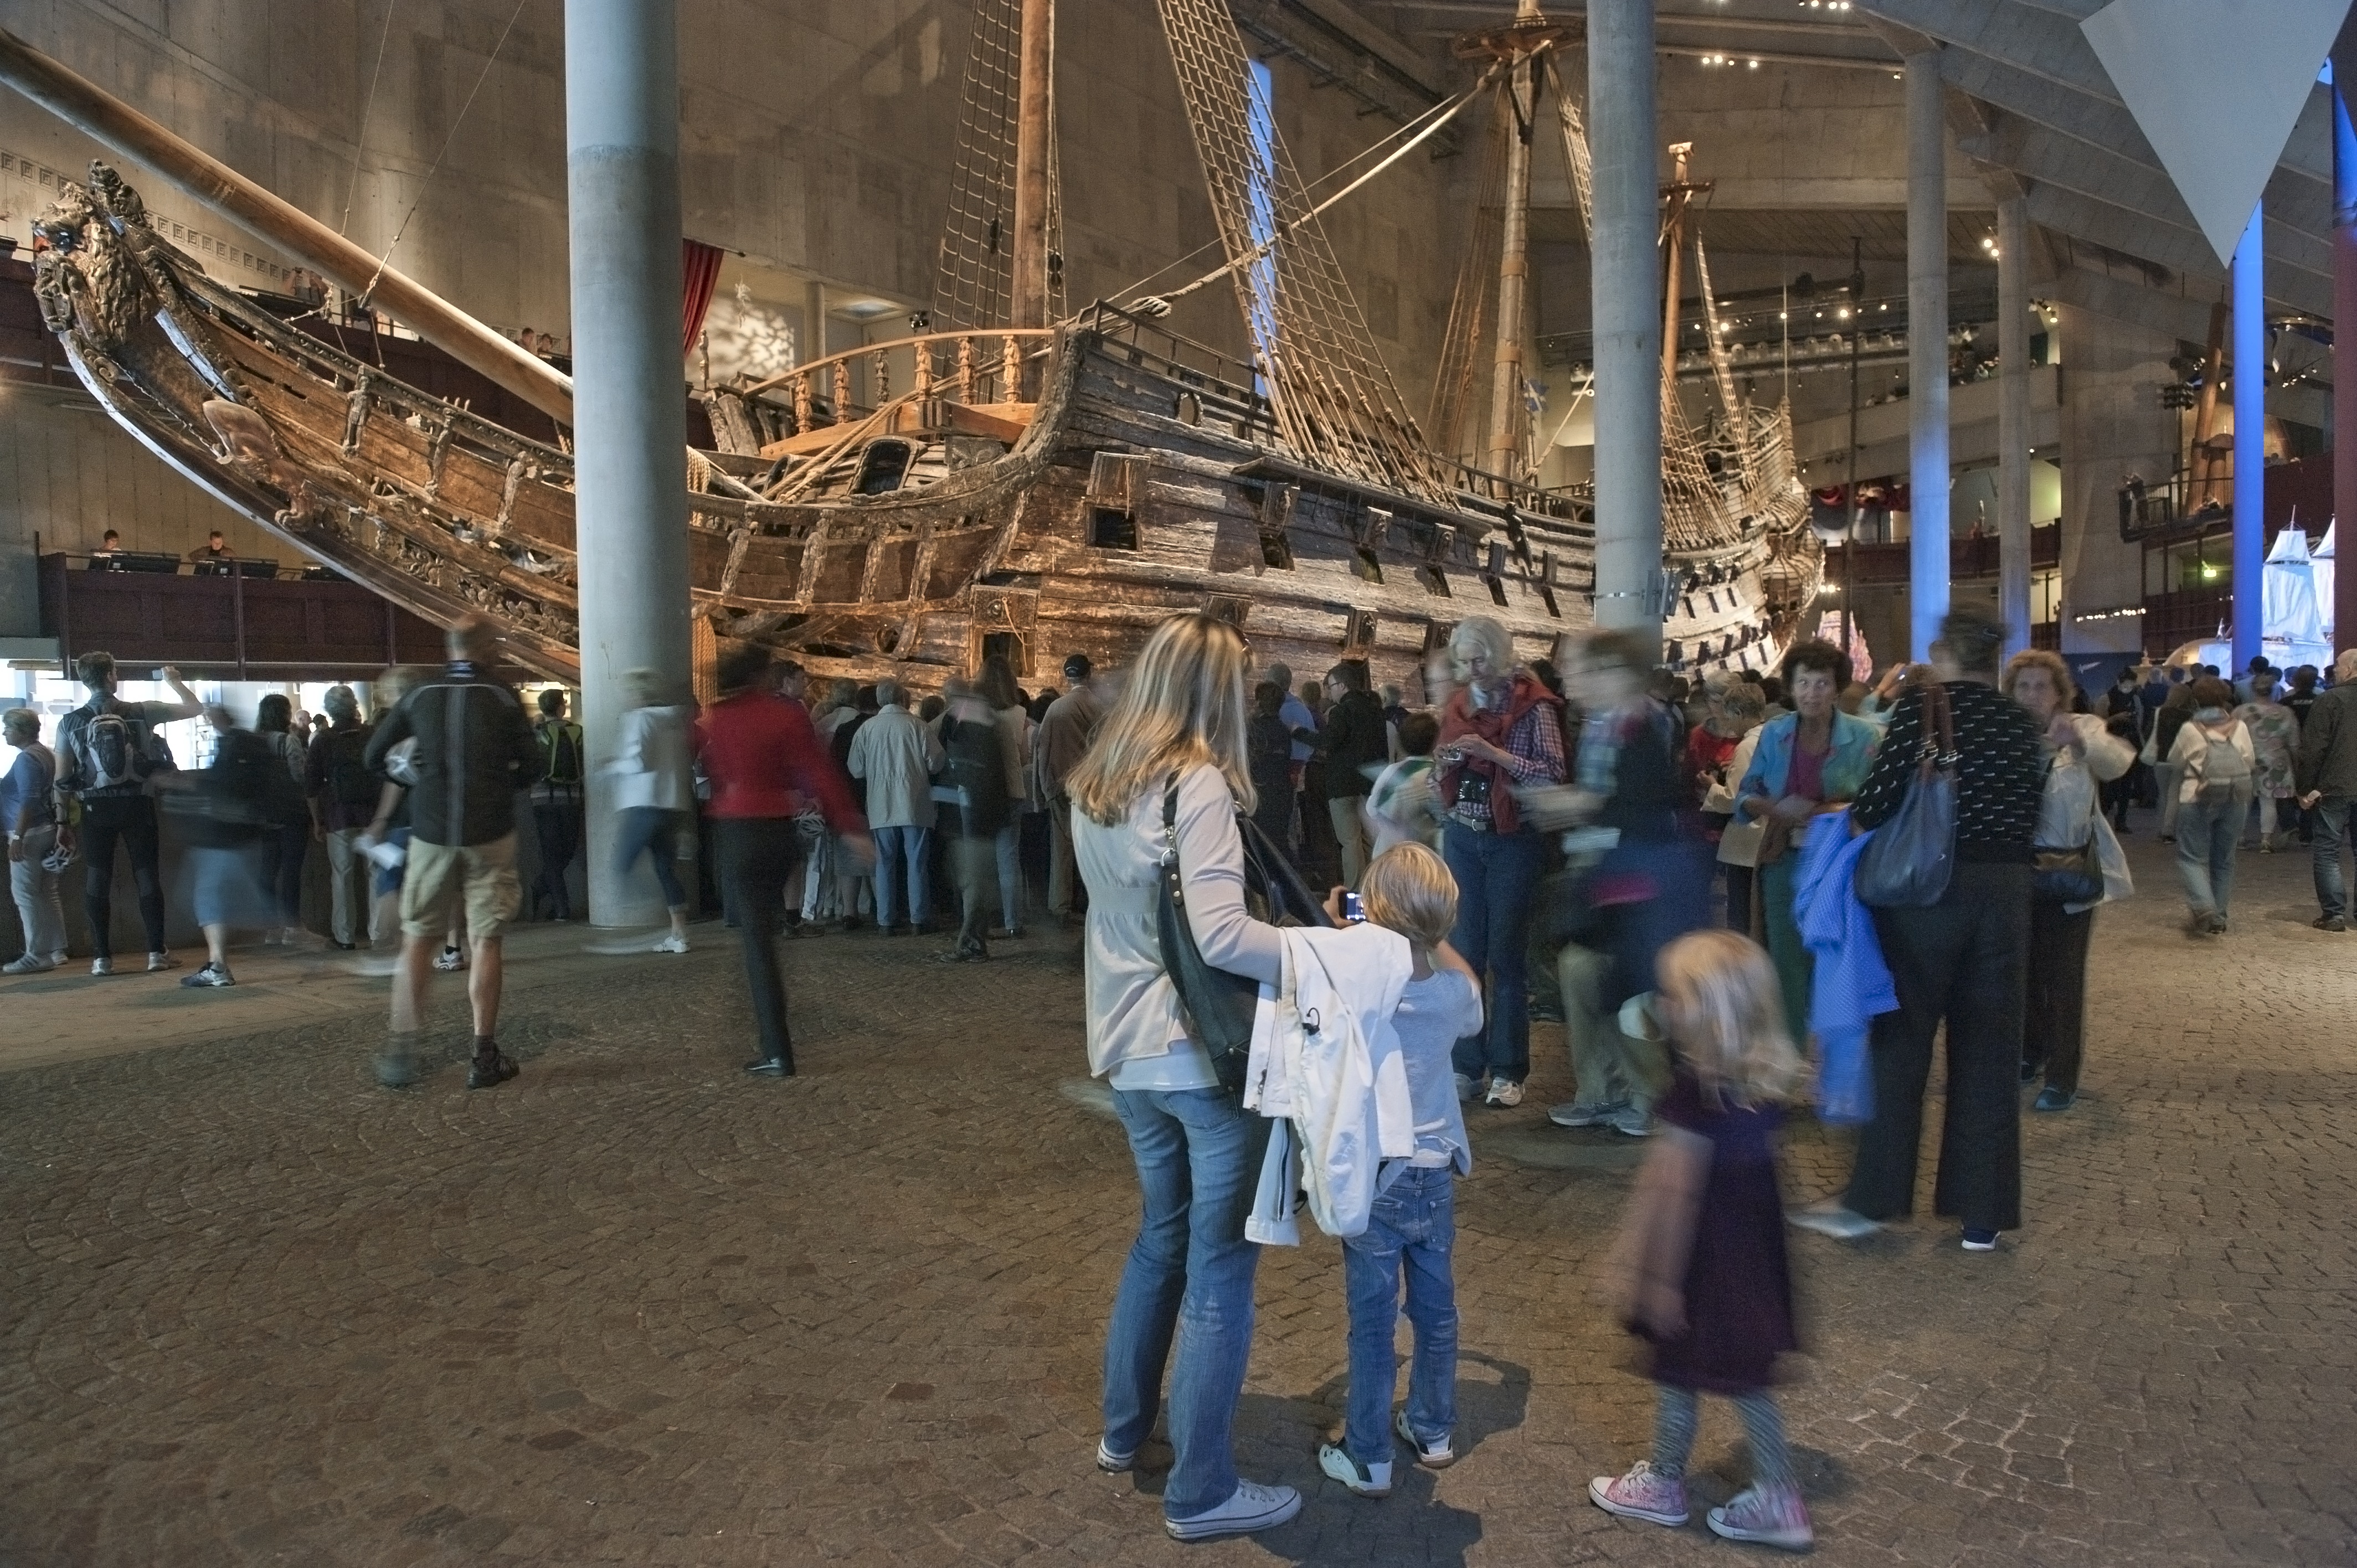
x=2180 y=250
x=2037 y=42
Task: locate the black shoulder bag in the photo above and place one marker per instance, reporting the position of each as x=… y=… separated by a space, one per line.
x=1215 y=1008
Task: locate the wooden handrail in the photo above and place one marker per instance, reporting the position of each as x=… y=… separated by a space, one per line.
x=786 y=378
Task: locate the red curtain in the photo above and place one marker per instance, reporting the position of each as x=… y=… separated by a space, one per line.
x=700 y=274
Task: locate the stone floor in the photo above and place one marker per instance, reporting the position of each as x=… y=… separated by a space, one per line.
x=636 y=1308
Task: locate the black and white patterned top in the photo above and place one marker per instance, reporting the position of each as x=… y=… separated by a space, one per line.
x=1999 y=779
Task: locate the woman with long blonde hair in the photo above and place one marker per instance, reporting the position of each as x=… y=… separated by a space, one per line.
x=1180 y=719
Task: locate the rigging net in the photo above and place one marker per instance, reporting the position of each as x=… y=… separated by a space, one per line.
x=1333 y=398
x=974 y=280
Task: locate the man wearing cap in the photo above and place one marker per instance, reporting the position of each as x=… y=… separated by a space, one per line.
x=1064 y=734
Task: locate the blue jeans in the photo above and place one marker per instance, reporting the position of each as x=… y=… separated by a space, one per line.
x=1412 y=1230
x=645 y=828
x=1199 y=1155
x=2207 y=838
x=1495 y=873
x=2335 y=823
x=897 y=848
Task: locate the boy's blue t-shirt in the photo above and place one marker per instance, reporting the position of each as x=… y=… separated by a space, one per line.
x=1434 y=1015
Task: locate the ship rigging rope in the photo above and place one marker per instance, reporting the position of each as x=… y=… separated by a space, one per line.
x=1333 y=397
x=974 y=285
x=452 y=135
x=368 y=108
x=1159 y=304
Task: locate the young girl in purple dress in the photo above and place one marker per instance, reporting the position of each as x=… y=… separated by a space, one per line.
x=1700 y=1266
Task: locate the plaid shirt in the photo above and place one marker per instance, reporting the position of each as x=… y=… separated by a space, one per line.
x=1535 y=756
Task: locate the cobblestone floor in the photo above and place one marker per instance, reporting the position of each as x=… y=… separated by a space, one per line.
x=635 y=1308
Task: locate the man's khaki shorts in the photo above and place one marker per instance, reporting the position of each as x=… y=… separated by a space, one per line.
x=439 y=876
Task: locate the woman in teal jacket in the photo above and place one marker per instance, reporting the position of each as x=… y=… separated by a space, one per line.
x=1810 y=761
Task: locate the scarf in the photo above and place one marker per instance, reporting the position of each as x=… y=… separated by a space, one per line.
x=1461 y=718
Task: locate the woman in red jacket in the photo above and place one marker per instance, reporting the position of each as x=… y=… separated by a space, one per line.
x=765 y=762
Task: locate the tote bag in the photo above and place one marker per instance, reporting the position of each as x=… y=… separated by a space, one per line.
x=1907 y=862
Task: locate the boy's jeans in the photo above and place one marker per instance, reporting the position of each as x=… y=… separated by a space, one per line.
x=1413 y=1229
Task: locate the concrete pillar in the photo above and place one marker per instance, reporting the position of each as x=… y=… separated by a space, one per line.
x=2250 y=442
x=1626 y=292
x=2013 y=420
x=629 y=437
x=1927 y=349
x=2343 y=608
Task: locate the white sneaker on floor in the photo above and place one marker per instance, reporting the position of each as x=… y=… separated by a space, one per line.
x=213 y=975
x=1365 y=1480
x=1113 y=1464
x=158 y=963
x=1466 y=1087
x=102 y=966
x=673 y=943
x=449 y=961
x=1433 y=1454
x=1577 y=1115
x=1834 y=1218
x=1254 y=1506
x=28 y=964
x=1504 y=1093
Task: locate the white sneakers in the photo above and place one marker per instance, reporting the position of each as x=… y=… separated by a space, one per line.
x=1504 y=1093
x=1433 y=1454
x=673 y=943
x=450 y=960
x=1365 y=1480
x=1253 y=1507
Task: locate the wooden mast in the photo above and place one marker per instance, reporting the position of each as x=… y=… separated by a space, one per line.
x=1514 y=252
x=1034 y=125
x=87 y=107
x=1675 y=240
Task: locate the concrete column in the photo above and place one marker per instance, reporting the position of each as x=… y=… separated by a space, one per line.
x=2013 y=420
x=2343 y=608
x=1927 y=349
x=2250 y=442
x=622 y=135
x=1626 y=291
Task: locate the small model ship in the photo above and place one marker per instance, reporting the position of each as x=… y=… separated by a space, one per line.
x=1023 y=488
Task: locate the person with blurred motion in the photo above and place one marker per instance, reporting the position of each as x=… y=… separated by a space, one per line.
x=473 y=750
x=833 y=883
x=285 y=846
x=1354 y=747
x=1268 y=760
x=997 y=688
x=2327 y=780
x=896 y=756
x=650 y=790
x=764 y=761
x=1065 y=731
x=110 y=757
x=1179 y=724
x=1637 y=879
x=1962 y=961
x=2070 y=822
x=558 y=804
x=344 y=792
x=229 y=814
x=1811 y=760
x=28 y=813
x=974 y=772
x=2275 y=745
x=1401 y=805
x=2217 y=765
x=1501 y=732
x=2161 y=749
x=1738 y=709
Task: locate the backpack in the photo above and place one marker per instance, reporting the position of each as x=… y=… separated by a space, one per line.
x=118 y=750
x=560 y=742
x=2225 y=772
x=349 y=782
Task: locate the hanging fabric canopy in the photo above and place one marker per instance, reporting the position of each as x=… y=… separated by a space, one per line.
x=699 y=276
x=2288 y=593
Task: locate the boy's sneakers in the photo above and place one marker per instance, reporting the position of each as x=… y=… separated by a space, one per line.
x=1432 y=1453
x=1643 y=1493
x=1771 y=1515
x=28 y=964
x=1504 y=1093
x=211 y=975
x=673 y=943
x=1254 y=1506
x=158 y=963
x=102 y=966
x=1979 y=1240
x=1113 y=1464
x=1365 y=1480
x=450 y=959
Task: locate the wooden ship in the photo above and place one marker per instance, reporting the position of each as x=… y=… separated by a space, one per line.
x=1024 y=485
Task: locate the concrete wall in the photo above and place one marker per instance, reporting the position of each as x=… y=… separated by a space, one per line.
x=2113 y=424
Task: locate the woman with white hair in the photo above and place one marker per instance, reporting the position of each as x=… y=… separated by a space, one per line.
x=1180 y=723
x=29 y=812
x=1501 y=731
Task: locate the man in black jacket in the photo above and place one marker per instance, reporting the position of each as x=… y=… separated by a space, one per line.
x=1354 y=746
x=2325 y=772
x=474 y=749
